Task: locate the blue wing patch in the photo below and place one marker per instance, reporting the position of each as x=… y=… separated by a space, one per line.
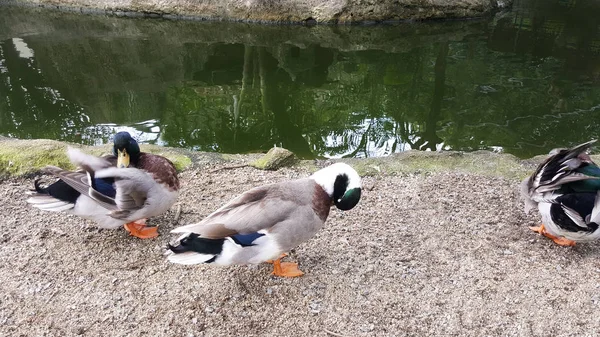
x=105 y=186
x=246 y=240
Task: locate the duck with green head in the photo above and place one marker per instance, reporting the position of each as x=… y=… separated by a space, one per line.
x=123 y=189
x=566 y=190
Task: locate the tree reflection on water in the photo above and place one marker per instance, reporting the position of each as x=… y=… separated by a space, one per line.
x=524 y=82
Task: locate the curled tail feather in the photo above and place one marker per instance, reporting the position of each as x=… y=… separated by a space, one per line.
x=193 y=249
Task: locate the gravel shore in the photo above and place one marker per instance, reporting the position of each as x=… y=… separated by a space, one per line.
x=444 y=253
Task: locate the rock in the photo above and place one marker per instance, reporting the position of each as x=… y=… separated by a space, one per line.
x=21 y=157
x=276 y=158
x=308 y=12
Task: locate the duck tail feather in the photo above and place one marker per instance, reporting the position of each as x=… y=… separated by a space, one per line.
x=193 y=249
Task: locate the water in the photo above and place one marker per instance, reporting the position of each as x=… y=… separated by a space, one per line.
x=522 y=82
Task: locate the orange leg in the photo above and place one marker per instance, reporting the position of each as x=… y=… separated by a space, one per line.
x=558 y=240
x=140 y=230
x=279 y=258
x=286 y=269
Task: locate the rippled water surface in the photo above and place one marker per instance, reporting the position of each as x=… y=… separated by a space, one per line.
x=521 y=82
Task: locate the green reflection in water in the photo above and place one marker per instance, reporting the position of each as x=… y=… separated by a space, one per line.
x=523 y=82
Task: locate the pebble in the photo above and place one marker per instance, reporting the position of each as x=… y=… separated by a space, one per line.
x=315 y=307
x=367 y=327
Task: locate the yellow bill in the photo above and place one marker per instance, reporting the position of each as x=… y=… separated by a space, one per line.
x=122 y=158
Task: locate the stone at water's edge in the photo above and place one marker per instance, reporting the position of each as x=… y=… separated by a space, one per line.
x=276 y=158
x=20 y=157
x=298 y=11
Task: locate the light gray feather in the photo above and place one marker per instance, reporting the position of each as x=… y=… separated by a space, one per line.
x=79 y=158
x=80 y=182
x=132 y=187
x=260 y=208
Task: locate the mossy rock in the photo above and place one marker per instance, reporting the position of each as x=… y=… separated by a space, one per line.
x=21 y=157
x=478 y=162
x=276 y=158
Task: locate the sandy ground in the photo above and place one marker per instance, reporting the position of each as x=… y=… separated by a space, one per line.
x=422 y=254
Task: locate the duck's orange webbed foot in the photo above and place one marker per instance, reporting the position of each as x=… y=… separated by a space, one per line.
x=558 y=240
x=139 y=229
x=563 y=242
x=538 y=229
x=286 y=269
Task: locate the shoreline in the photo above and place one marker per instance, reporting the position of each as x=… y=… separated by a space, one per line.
x=438 y=245
x=184 y=10
x=23 y=158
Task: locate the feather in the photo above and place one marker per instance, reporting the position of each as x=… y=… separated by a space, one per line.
x=79 y=158
x=565 y=171
x=189 y=258
x=574 y=216
x=48 y=203
x=595 y=216
x=138 y=194
x=257 y=209
x=81 y=183
x=132 y=187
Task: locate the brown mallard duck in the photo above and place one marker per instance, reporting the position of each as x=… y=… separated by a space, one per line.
x=123 y=189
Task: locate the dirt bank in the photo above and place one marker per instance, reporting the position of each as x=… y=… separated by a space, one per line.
x=284 y=11
x=431 y=249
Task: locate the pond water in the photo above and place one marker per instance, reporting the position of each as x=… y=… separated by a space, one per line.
x=521 y=82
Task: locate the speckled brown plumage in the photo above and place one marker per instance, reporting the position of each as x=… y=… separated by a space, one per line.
x=162 y=169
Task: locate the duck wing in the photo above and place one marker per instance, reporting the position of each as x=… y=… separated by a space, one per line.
x=133 y=189
x=568 y=165
x=84 y=183
x=261 y=208
x=575 y=211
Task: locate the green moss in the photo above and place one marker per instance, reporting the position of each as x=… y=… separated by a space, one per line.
x=181 y=162
x=276 y=158
x=21 y=157
x=480 y=162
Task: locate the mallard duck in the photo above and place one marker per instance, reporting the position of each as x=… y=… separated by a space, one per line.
x=261 y=224
x=119 y=190
x=565 y=189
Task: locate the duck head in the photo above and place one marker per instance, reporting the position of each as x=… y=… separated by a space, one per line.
x=342 y=183
x=126 y=149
